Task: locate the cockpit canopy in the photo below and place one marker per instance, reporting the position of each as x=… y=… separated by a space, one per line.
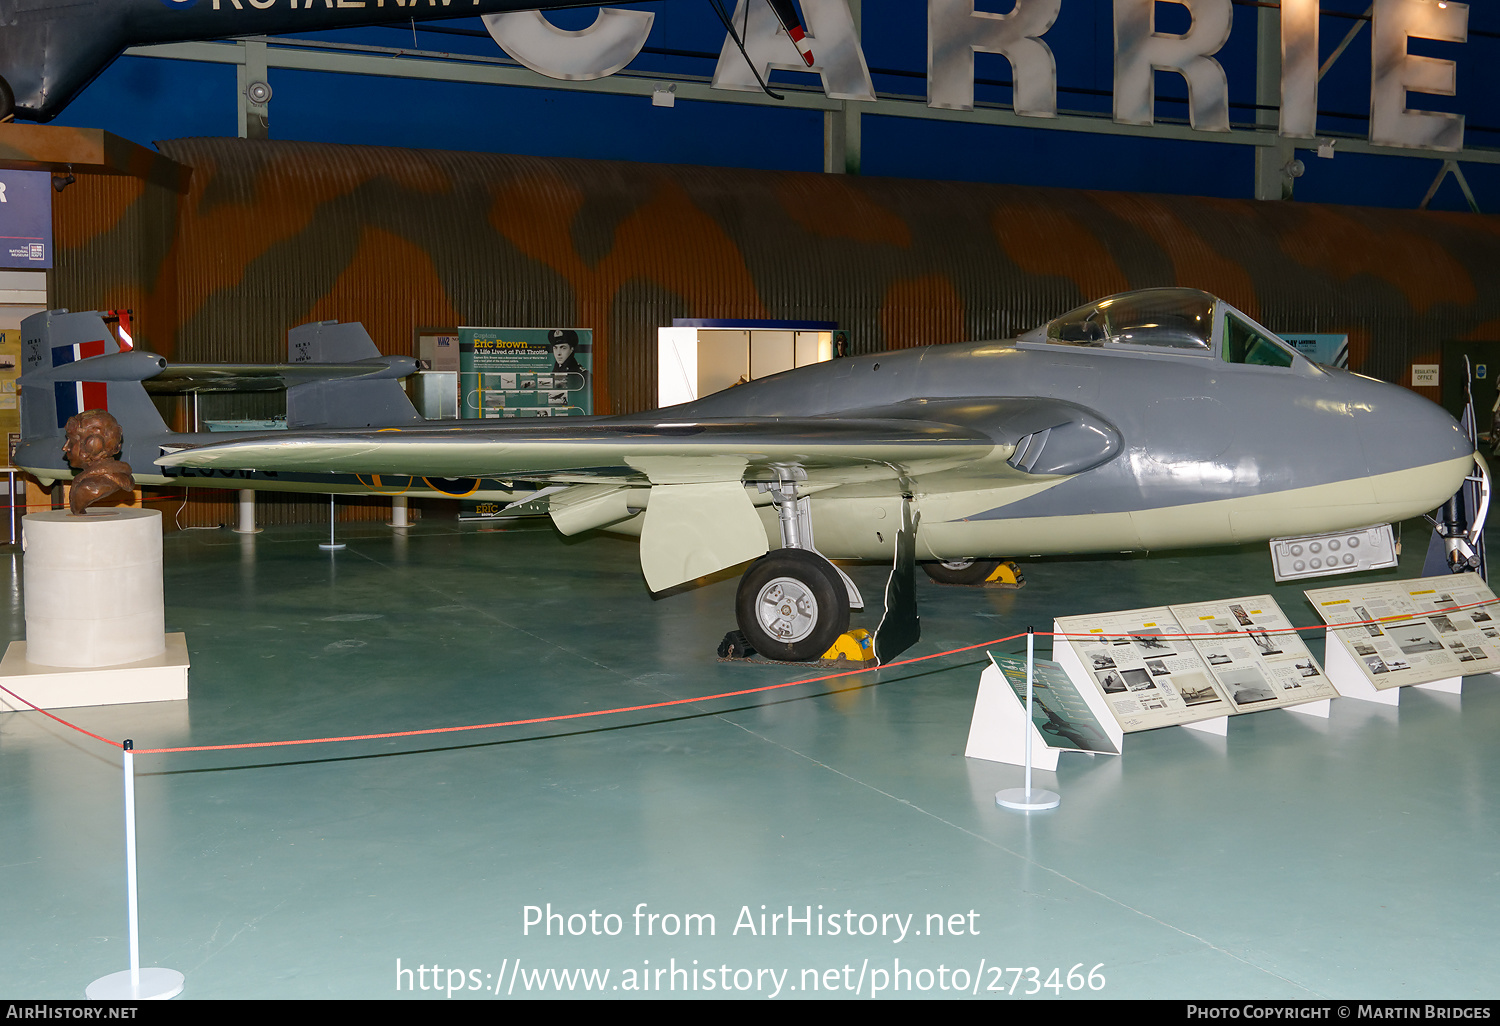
x=1171 y=320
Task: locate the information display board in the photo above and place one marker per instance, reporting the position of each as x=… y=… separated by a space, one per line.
x=1255 y=654
x=1150 y=675
x=1400 y=633
x=1061 y=713
x=1176 y=665
x=525 y=372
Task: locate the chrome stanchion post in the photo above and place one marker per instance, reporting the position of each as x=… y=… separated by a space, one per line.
x=134 y=983
x=1024 y=799
x=330 y=545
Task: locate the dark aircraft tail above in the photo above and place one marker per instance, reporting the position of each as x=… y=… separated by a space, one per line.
x=51 y=49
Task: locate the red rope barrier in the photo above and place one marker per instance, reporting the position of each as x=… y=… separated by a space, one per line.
x=59 y=719
x=512 y=723
x=703 y=698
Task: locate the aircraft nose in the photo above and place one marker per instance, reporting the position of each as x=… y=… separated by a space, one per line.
x=1417 y=455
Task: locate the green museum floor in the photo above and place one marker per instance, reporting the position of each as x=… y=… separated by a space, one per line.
x=825 y=840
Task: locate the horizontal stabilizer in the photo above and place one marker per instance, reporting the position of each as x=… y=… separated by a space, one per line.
x=183 y=378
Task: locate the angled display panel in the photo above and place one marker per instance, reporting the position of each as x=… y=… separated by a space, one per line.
x=1400 y=633
x=1255 y=654
x=1176 y=665
x=1150 y=675
x=1061 y=712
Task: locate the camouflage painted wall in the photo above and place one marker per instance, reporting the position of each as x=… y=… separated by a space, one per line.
x=273 y=234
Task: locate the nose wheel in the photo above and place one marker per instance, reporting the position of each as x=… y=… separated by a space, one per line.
x=792 y=605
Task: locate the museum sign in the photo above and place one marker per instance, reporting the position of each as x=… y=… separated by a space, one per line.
x=956 y=31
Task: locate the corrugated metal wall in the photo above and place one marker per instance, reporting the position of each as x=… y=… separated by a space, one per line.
x=274 y=234
x=219 y=507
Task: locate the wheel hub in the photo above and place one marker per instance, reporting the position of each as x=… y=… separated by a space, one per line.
x=787 y=609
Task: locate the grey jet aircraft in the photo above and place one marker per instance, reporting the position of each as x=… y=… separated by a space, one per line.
x=1157 y=419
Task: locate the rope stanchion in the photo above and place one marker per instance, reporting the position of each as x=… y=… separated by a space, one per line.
x=1025 y=799
x=135 y=983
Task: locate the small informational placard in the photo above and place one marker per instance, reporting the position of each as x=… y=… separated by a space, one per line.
x=1254 y=653
x=1425 y=375
x=1178 y=665
x=1060 y=711
x=507 y=373
x=25 y=219
x=1149 y=674
x=1399 y=633
x=1065 y=718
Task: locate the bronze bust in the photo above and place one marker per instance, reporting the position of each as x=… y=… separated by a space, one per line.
x=94 y=440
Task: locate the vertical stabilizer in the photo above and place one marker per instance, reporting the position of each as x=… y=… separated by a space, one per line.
x=53 y=340
x=376 y=400
x=71 y=362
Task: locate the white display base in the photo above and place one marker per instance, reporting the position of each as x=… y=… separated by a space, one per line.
x=1348 y=677
x=997 y=730
x=162 y=678
x=1022 y=800
x=1320 y=709
x=147 y=985
x=1218 y=725
x=1448 y=685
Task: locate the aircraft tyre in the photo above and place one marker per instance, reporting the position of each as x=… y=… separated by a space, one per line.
x=7 y=100
x=792 y=605
x=961 y=571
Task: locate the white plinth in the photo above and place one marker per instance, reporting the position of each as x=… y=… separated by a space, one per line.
x=93 y=588
x=162 y=678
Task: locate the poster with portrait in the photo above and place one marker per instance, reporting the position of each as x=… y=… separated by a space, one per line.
x=516 y=373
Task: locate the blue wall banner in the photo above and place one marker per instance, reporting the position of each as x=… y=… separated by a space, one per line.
x=25 y=219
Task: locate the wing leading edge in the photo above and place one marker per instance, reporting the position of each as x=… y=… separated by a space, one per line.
x=699 y=517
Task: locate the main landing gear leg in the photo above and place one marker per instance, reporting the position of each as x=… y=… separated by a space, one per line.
x=792 y=603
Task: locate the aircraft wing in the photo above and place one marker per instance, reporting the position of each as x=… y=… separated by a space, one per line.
x=832 y=450
x=690 y=475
